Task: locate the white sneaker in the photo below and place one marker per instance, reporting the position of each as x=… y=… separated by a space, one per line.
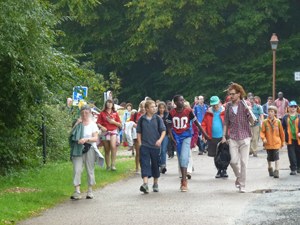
x=89 y=195
x=76 y=196
x=242 y=189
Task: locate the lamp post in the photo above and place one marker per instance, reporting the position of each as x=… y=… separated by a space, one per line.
x=274 y=43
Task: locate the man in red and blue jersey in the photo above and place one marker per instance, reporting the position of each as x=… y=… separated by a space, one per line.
x=181 y=133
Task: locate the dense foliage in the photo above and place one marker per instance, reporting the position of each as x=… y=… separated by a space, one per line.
x=155 y=46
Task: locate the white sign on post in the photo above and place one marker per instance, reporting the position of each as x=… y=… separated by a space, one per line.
x=297 y=76
x=79 y=93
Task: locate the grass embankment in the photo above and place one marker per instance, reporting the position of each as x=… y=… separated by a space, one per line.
x=27 y=193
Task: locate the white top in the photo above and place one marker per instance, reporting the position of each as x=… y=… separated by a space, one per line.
x=89 y=130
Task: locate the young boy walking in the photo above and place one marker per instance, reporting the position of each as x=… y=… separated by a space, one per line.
x=179 y=121
x=272 y=135
x=150 y=134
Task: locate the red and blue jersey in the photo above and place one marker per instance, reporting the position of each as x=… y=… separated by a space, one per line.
x=181 y=120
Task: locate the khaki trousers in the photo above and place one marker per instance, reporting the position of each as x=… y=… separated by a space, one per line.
x=254 y=140
x=239 y=151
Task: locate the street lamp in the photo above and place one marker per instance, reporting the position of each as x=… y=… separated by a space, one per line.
x=274 y=43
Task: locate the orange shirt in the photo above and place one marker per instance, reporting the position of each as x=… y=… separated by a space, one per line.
x=273 y=132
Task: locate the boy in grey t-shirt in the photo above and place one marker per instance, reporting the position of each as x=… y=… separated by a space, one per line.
x=150 y=134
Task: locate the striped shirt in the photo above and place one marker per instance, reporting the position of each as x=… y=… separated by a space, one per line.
x=237 y=124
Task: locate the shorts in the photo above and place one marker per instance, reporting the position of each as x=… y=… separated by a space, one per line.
x=273 y=155
x=106 y=136
x=212 y=146
x=185 y=153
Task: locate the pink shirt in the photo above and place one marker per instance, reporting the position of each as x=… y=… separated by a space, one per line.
x=281 y=107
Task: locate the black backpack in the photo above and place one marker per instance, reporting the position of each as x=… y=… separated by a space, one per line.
x=222 y=158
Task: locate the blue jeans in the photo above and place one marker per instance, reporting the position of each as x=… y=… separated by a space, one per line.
x=163 y=151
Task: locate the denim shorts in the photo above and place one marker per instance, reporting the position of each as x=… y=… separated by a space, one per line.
x=149 y=160
x=185 y=152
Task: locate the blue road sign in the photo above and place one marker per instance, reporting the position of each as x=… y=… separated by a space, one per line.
x=79 y=93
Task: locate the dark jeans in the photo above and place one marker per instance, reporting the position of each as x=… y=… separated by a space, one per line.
x=294 y=155
x=171 y=148
x=201 y=145
x=149 y=160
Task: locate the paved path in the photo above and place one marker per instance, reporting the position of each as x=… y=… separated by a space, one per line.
x=208 y=201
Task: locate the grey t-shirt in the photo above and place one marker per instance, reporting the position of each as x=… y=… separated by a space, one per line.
x=150 y=129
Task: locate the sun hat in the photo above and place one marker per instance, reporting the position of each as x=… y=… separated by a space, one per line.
x=293 y=103
x=214 y=100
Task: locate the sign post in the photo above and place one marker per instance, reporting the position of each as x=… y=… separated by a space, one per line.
x=79 y=93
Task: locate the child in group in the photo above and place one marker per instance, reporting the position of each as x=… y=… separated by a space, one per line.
x=179 y=129
x=272 y=135
x=128 y=132
x=150 y=134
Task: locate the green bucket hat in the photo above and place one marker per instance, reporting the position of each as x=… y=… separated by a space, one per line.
x=214 y=100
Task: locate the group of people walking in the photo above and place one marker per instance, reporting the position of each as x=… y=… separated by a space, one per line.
x=239 y=122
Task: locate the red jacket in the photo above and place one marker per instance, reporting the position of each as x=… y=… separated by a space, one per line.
x=208 y=119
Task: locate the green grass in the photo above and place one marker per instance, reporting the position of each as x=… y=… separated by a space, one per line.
x=27 y=193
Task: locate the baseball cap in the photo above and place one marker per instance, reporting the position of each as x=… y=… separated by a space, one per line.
x=214 y=100
x=293 y=103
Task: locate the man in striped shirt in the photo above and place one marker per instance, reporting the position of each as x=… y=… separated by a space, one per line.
x=237 y=130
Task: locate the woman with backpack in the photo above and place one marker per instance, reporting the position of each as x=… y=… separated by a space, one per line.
x=213 y=125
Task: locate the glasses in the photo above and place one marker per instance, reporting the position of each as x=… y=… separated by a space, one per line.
x=232 y=93
x=293 y=106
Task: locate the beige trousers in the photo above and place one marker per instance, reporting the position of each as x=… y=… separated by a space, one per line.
x=254 y=139
x=239 y=151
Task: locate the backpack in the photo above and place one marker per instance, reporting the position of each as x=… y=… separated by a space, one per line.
x=222 y=158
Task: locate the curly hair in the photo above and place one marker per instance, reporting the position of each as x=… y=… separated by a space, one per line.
x=238 y=88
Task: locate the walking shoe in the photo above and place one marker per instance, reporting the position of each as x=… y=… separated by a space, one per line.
x=113 y=168
x=189 y=176
x=254 y=154
x=76 y=196
x=183 y=186
x=144 y=188
x=242 y=189
x=293 y=172
x=200 y=153
x=271 y=172
x=108 y=168
x=224 y=174
x=163 y=170
x=218 y=175
x=155 y=188
x=276 y=173
x=89 y=195
x=237 y=183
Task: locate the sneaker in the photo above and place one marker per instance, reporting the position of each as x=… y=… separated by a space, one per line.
x=144 y=188
x=237 y=183
x=163 y=170
x=200 y=153
x=293 y=172
x=271 y=172
x=254 y=154
x=242 y=189
x=76 y=196
x=155 y=188
x=89 y=195
x=189 y=176
x=113 y=168
x=108 y=168
x=183 y=186
x=218 y=175
x=276 y=173
x=224 y=174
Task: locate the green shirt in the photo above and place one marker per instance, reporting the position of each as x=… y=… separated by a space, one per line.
x=293 y=128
